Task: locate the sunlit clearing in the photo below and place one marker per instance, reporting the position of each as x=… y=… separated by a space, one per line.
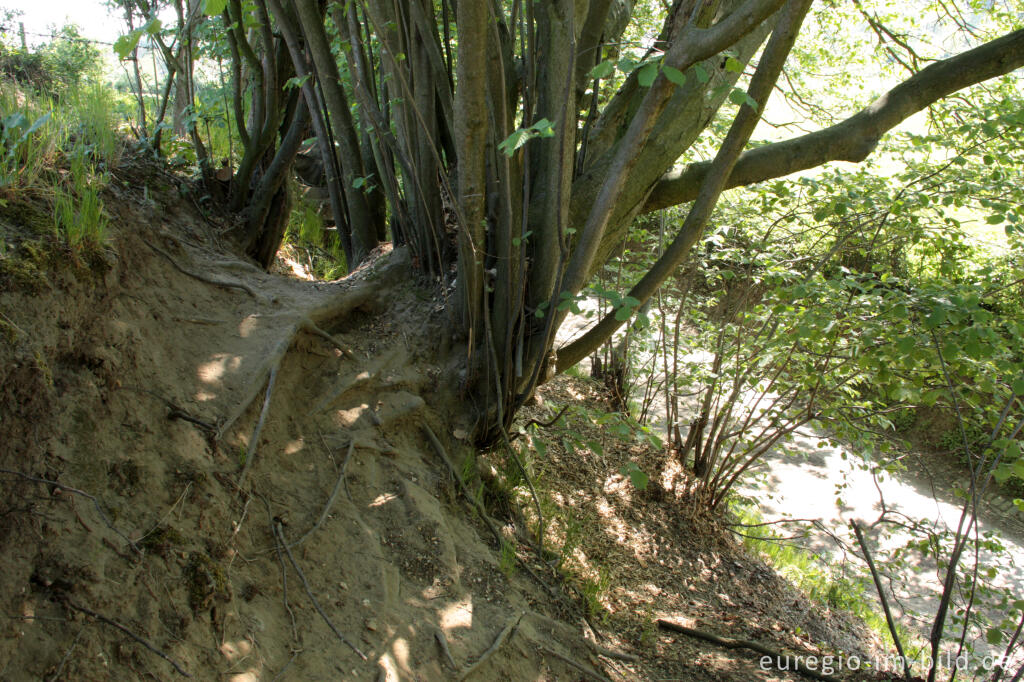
x=457 y=615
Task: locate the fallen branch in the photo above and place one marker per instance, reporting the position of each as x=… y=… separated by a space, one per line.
x=330 y=500
x=539 y=424
x=585 y=669
x=505 y=634
x=309 y=592
x=881 y=596
x=250 y=453
x=76 y=491
x=442 y=642
x=309 y=326
x=114 y=624
x=782 y=661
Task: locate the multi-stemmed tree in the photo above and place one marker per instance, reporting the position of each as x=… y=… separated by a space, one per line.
x=483 y=135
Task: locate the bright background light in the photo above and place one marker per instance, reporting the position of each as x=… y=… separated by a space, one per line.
x=93 y=17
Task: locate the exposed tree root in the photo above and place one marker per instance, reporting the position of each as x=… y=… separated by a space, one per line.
x=505 y=634
x=585 y=669
x=309 y=592
x=781 y=660
x=227 y=284
x=114 y=624
x=95 y=502
x=442 y=642
x=330 y=500
x=250 y=453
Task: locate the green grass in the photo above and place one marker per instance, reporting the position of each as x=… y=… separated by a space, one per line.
x=62 y=152
x=820 y=582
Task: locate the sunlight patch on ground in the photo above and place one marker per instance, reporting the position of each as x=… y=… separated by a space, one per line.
x=457 y=615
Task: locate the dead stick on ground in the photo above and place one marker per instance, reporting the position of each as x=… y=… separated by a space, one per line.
x=250 y=454
x=137 y=638
x=610 y=653
x=312 y=328
x=76 y=491
x=505 y=634
x=881 y=596
x=585 y=669
x=442 y=642
x=309 y=592
x=284 y=572
x=330 y=500
x=782 y=660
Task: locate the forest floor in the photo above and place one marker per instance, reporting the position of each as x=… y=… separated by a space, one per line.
x=212 y=471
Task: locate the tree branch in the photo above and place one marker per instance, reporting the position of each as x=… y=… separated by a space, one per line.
x=856 y=137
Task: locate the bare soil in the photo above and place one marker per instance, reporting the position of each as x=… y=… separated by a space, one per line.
x=131 y=547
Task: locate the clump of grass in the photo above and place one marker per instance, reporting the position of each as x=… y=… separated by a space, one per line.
x=321 y=249
x=78 y=210
x=29 y=140
x=96 y=119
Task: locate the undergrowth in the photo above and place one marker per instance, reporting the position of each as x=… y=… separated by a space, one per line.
x=829 y=586
x=312 y=244
x=60 y=152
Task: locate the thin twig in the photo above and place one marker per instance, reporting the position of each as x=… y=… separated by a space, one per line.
x=309 y=592
x=585 y=669
x=114 y=624
x=286 y=666
x=76 y=491
x=505 y=634
x=881 y=596
x=783 y=661
x=442 y=642
x=67 y=655
x=330 y=500
x=254 y=441
x=543 y=425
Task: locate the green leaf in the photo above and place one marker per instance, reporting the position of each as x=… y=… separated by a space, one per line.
x=635 y=475
x=647 y=73
x=124 y=45
x=995 y=219
x=212 y=7
x=602 y=70
x=1018 y=386
x=674 y=75
x=701 y=73
x=153 y=26
x=732 y=64
x=737 y=96
x=514 y=141
x=994 y=636
x=295 y=82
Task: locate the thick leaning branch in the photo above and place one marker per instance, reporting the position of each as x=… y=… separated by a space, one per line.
x=761 y=85
x=856 y=137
